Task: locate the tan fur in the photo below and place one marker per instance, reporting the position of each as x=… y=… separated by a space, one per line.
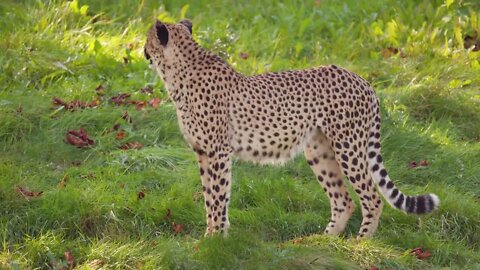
x=328 y=112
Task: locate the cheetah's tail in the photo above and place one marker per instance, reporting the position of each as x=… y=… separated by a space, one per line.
x=420 y=204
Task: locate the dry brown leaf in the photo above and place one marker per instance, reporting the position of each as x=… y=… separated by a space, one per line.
x=244 y=55
x=116 y=127
x=131 y=145
x=120 y=135
x=27 y=194
x=70 y=259
x=141 y=195
x=75 y=104
x=120 y=99
x=420 y=253
x=139 y=104
x=177 y=228
x=424 y=163
x=155 y=102
x=78 y=138
x=413 y=164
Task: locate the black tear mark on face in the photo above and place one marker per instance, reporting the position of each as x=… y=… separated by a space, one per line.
x=147 y=56
x=162 y=33
x=188 y=24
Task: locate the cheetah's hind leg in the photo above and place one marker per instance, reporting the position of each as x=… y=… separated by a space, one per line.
x=321 y=159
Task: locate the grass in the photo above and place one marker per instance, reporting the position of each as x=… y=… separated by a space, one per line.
x=430 y=109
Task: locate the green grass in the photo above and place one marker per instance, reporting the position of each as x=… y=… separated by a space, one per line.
x=430 y=110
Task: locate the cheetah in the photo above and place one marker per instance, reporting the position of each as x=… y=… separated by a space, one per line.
x=329 y=113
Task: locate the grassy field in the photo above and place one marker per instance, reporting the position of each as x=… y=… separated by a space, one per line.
x=108 y=208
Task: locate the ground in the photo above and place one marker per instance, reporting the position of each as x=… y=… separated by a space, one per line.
x=103 y=206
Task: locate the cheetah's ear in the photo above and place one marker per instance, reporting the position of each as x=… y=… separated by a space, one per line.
x=188 y=24
x=162 y=33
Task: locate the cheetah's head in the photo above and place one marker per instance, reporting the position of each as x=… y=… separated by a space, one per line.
x=165 y=42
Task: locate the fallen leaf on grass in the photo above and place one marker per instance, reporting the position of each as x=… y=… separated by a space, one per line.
x=177 y=228
x=419 y=253
x=120 y=135
x=154 y=102
x=244 y=55
x=141 y=195
x=116 y=127
x=424 y=163
x=138 y=104
x=131 y=145
x=78 y=138
x=63 y=182
x=373 y=268
x=120 y=99
x=414 y=164
x=27 y=194
x=75 y=104
x=70 y=259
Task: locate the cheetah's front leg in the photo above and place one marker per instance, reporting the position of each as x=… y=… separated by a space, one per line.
x=215 y=172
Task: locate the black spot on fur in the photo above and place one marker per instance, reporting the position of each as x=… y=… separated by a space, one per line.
x=399 y=201
x=394 y=193
x=390 y=185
